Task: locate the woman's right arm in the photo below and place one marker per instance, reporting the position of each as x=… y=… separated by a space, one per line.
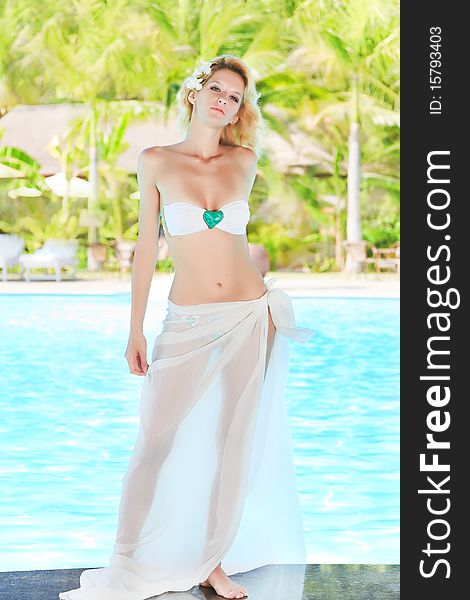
x=145 y=258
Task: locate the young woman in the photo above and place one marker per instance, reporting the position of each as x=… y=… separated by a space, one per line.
x=210 y=487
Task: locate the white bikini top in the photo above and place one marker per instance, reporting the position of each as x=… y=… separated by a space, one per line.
x=182 y=218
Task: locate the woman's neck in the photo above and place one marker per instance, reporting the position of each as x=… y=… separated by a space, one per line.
x=202 y=142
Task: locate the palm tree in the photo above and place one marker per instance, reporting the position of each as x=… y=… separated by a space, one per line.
x=333 y=58
x=351 y=48
x=95 y=52
x=87 y=50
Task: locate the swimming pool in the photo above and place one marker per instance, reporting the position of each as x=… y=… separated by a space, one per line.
x=69 y=419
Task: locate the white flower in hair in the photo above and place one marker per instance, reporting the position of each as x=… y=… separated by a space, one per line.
x=192 y=81
x=193 y=84
x=203 y=69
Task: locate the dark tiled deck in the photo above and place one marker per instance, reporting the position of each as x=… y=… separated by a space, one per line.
x=274 y=582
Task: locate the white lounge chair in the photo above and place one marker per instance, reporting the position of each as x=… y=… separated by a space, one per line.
x=54 y=254
x=11 y=247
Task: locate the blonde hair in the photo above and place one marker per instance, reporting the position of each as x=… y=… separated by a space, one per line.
x=250 y=130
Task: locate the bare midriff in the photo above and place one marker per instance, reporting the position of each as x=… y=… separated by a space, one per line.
x=210 y=265
x=213 y=266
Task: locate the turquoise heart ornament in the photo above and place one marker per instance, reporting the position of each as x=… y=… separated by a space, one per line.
x=212 y=217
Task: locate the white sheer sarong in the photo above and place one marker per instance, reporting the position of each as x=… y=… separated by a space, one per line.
x=211 y=478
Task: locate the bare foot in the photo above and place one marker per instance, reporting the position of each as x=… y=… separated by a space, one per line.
x=223 y=585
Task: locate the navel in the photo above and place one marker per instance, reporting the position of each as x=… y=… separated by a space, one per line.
x=219 y=284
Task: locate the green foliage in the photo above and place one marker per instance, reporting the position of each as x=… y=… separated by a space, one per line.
x=318 y=65
x=165 y=265
x=382 y=234
x=285 y=249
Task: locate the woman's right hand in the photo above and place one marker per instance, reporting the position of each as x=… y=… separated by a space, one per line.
x=136 y=354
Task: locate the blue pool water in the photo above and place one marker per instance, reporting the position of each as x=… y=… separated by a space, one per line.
x=69 y=419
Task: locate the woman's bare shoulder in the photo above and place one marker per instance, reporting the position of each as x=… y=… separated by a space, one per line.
x=247 y=160
x=153 y=159
x=245 y=151
x=247 y=155
x=151 y=154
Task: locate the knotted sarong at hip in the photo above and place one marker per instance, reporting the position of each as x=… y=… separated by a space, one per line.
x=211 y=477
